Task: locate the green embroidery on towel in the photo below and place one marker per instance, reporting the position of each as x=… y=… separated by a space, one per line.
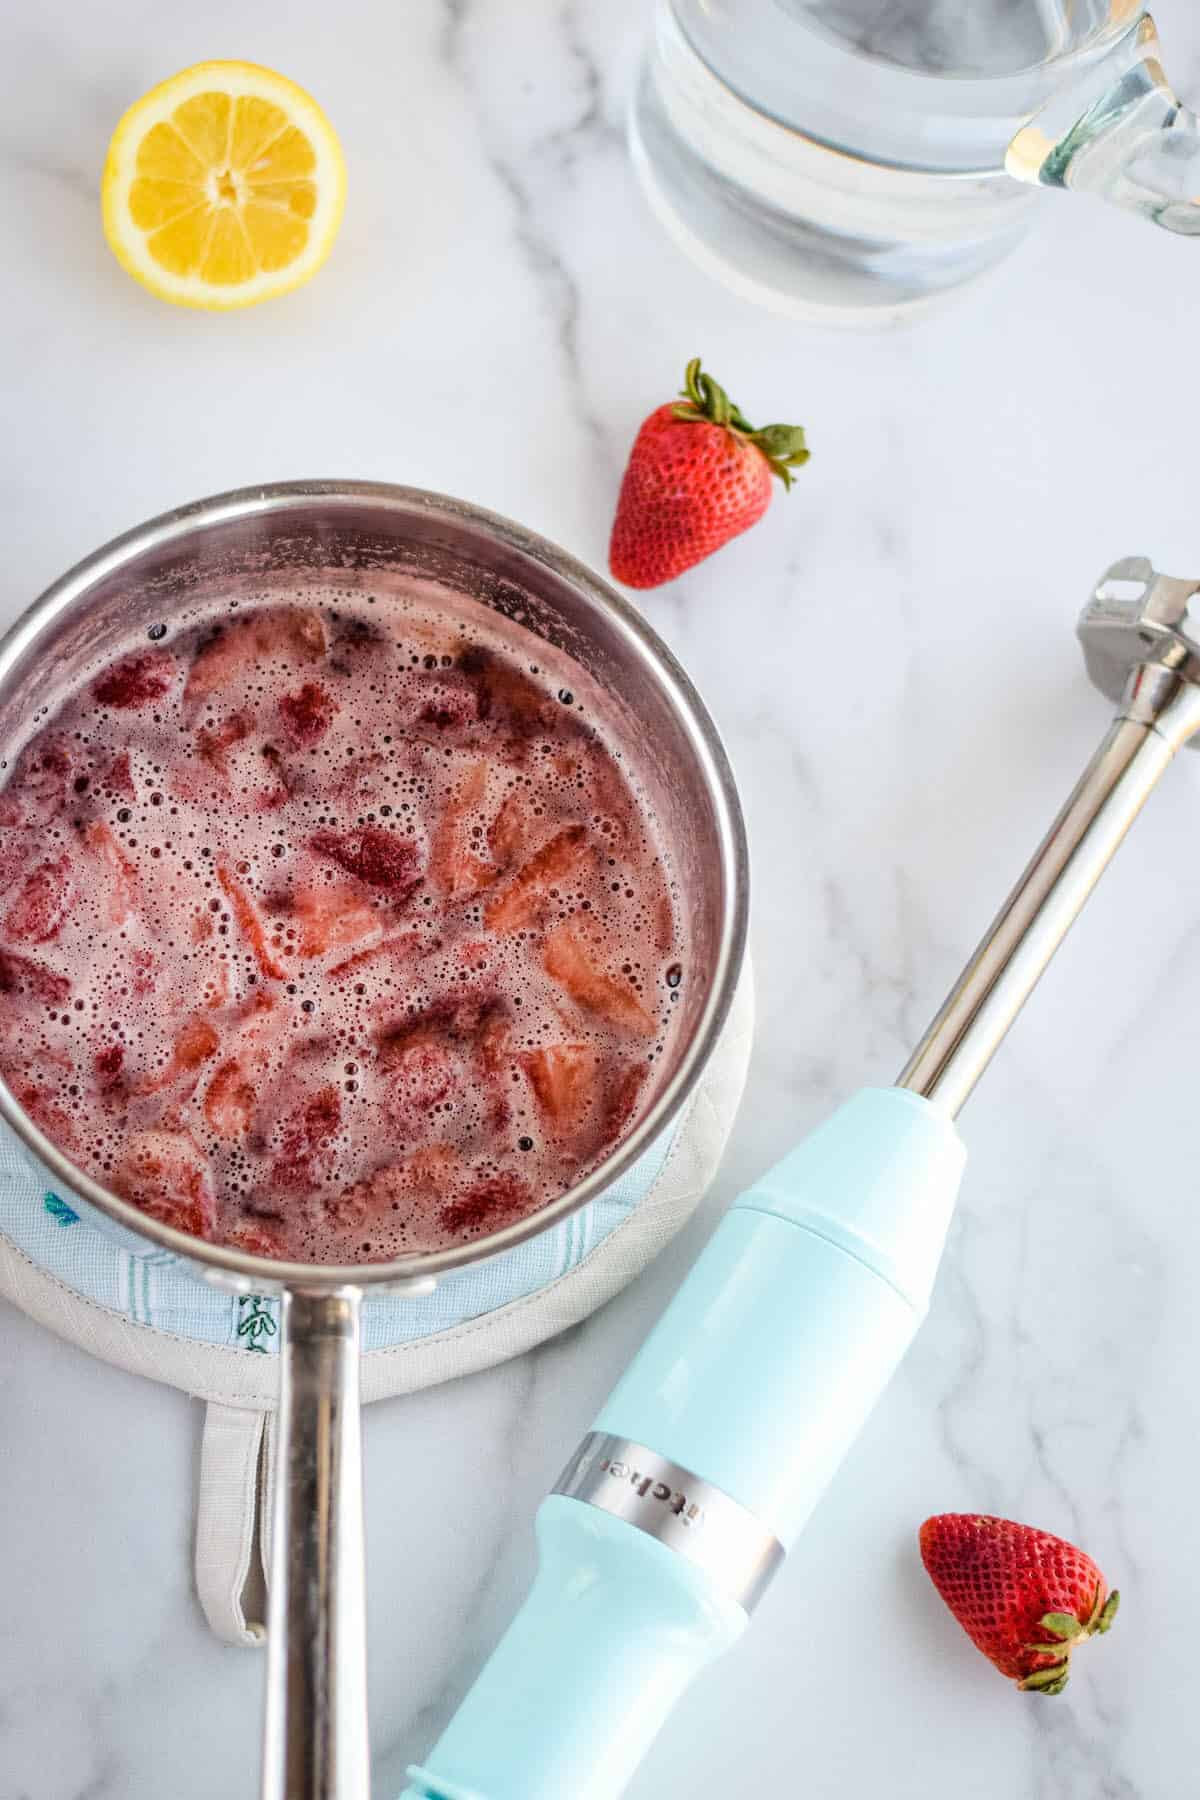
x=60 y=1212
x=255 y=1322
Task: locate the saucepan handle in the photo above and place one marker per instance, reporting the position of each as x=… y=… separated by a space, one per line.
x=315 y=1744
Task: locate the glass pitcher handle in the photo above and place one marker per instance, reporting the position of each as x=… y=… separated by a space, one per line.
x=1135 y=145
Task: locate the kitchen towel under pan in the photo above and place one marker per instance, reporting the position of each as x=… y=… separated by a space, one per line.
x=141 y=1308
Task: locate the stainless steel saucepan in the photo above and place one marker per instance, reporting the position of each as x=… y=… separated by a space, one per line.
x=316 y=1744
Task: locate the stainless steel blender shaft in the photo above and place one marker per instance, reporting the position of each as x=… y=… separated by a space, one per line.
x=1160 y=711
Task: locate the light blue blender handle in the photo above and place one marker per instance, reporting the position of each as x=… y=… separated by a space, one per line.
x=709 y=1456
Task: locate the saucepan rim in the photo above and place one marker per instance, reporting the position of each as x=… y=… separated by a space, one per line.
x=237 y=1268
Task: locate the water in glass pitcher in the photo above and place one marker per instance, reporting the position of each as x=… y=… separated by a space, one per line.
x=956 y=37
x=847 y=157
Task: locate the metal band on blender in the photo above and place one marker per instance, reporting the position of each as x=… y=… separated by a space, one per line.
x=684 y=1512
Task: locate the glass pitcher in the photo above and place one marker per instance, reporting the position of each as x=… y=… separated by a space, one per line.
x=854 y=159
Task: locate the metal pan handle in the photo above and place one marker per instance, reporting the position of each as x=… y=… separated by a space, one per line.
x=315 y=1745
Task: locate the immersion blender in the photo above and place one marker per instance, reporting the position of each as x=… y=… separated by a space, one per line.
x=702 y=1468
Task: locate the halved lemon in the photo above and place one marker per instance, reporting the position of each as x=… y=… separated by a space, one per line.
x=223 y=186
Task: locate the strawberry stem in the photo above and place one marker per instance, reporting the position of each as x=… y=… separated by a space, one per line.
x=704 y=401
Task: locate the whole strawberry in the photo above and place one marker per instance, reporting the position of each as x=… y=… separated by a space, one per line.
x=1023 y=1597
x=698 y=474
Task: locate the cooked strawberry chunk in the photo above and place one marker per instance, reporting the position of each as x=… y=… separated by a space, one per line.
x=41 y=903
x=307 y=714
x=214 y=743
x=570 y=962
x=508 y=833
x=46 y=1114
x=425 y=1073
x=333 y=918
x=492 y=1038
x=563 y=1078
x=621 y=1098
x=196 y=1043
x=117 y=874
x=41 y=785
x=449 y=702
x=453 y=863
x=117 y=779
x=291 y=634
x=259 y=1237
x=379 y=858
x=506 y=696
x=429 y=1173
x=108 y=1063
x=168 y=1177
x=230 y=1102
x=250 y=923
x=523 y=899
x=138 y=681
x=28 y=980
x=487 y=1204
x=19 y=846
x=305 y=1153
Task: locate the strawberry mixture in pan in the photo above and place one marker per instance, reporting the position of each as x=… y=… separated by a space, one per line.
x=332 y=929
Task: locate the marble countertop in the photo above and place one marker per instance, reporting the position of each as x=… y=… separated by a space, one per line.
x=891 y=657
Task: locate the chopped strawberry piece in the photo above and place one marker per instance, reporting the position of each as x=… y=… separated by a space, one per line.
x=353 y=641
x=522 y=900
x=508 y=833
x=257 y=1237
x=118 y=874
x=250 y=923
x=563 y=1078
x=453 y=864
x=46 y=1115
x=231 y=1100
x=42 y=902
x=18 y=847
x=569 y=961
x=137 y=681
x=425 y=1071
x=195 y=1044
x=620 y=1102
x=333 y=918
x=307 y=714
x=375 y=856
x=169 y=1178
x=492 y=1039
x=108 y=1063
x=490 y=1203
x=117 y=779
x=41 y=785
x=275 y=634
x=449 y=702
x=213 y=744
x=506 y=696
x=305 y=1154
x=434 y=1169
x=21 y=976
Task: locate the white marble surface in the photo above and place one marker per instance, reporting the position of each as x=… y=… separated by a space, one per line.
x=891 y=657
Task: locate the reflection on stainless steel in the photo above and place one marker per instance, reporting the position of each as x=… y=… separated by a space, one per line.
x=1135 y=639
x=316 y=1746
x=315 y=1741
x=684 y=1512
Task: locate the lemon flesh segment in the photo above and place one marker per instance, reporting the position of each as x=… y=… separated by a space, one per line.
x=224 y=186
